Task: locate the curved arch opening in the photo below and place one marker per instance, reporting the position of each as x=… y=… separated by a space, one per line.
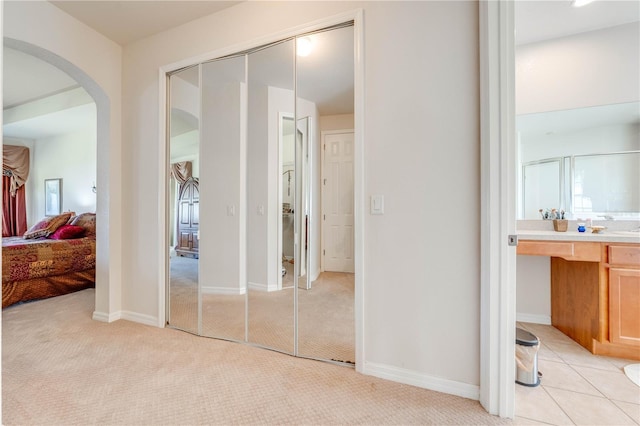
x=102 y=103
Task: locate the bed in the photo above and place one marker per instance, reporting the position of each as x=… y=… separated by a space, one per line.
x=42 y=267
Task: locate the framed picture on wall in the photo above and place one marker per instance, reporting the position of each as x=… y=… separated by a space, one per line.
x=52 y=197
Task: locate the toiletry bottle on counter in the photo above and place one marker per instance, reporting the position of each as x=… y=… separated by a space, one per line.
x=589 y=223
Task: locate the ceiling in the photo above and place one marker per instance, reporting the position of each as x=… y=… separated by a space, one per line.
x=27 y=79
x=544 y=20
x=127 y=21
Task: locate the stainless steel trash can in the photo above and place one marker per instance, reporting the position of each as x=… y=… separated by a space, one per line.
x=527 y=358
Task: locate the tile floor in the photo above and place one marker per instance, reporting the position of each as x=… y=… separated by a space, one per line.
x=577 y=387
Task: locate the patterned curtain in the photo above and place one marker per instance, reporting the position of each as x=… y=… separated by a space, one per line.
x=15 y=163
x=14 y=212
x=15 y=171
x=181 y=171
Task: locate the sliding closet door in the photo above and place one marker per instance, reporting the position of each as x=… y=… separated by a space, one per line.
x=223 y=227
x=271 y=296
x=183 y=196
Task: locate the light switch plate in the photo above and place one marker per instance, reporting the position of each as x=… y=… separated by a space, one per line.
x=377 y=204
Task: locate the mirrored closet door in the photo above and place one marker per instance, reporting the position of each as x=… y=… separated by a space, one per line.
x=223 y=151
x=325 y=98
x=184 y=196
x=271 y=293
x=249 y=128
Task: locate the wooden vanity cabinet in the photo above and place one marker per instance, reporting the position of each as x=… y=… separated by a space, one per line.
x=595 y=293
x=624 y=295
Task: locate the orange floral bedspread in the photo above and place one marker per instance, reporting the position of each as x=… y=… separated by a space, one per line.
x=37 y=258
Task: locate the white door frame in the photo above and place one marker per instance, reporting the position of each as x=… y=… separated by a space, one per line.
x=324 y=133
x=498 y=207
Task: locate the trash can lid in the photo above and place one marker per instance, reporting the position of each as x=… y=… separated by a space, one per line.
x=524 y=338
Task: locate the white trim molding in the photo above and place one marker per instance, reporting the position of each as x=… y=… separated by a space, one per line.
x=139 y=318
x=534 y=318
x=498 y=205
x=413 y=378
x=105 y=317
x=263 y=287
x=126 y=315
x=227 y=291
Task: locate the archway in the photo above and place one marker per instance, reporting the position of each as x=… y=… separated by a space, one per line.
x=103 y=268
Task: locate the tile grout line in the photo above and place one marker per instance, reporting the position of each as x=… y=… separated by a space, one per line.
x=558 y=404
x=573 y=367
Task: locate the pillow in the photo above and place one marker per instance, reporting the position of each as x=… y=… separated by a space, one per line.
x=67 y=232
x=47 y=226
x=88 y=222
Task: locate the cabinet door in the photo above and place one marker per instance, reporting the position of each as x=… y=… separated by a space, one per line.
x=195 y=214
x=624 y=306
x=194 y=240
x=184 y=240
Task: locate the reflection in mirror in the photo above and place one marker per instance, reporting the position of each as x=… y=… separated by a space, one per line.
x=287 y=198
x=584 y=161
x=183 y=199
x=270 y=96
x=223 y=146
x=295 y=198
x=303 y=202
x=326 y=327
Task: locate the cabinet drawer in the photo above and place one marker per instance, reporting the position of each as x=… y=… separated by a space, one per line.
x=624 y=255
x=569 y=250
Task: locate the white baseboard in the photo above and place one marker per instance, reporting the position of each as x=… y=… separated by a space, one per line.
x=105 y=317
x=234 y=291
x=533 y=318
x=126 y=315
x=262 y=287
x=414 y=378
x=139 y=318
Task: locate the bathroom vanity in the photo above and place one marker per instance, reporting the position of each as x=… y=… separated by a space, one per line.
x=595 y=287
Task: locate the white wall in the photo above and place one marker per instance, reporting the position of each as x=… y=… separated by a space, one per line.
x=336 y=122
x=533 y=296
x=422 y=308
x=96 y=63
x=222 y=147
x=71 y=157
x=592 y=68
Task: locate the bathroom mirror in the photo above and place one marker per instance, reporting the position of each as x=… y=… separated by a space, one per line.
x=270 y=97
x=183 y=199
x=584 y=161
x=223 y=150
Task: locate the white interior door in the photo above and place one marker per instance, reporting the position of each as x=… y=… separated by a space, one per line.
x=337 y=201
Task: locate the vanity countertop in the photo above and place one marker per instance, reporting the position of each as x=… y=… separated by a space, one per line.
x=614 y=232
x=604 y=236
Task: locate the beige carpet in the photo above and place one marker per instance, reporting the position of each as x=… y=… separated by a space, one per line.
x=61 y=367
x=326 y=322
